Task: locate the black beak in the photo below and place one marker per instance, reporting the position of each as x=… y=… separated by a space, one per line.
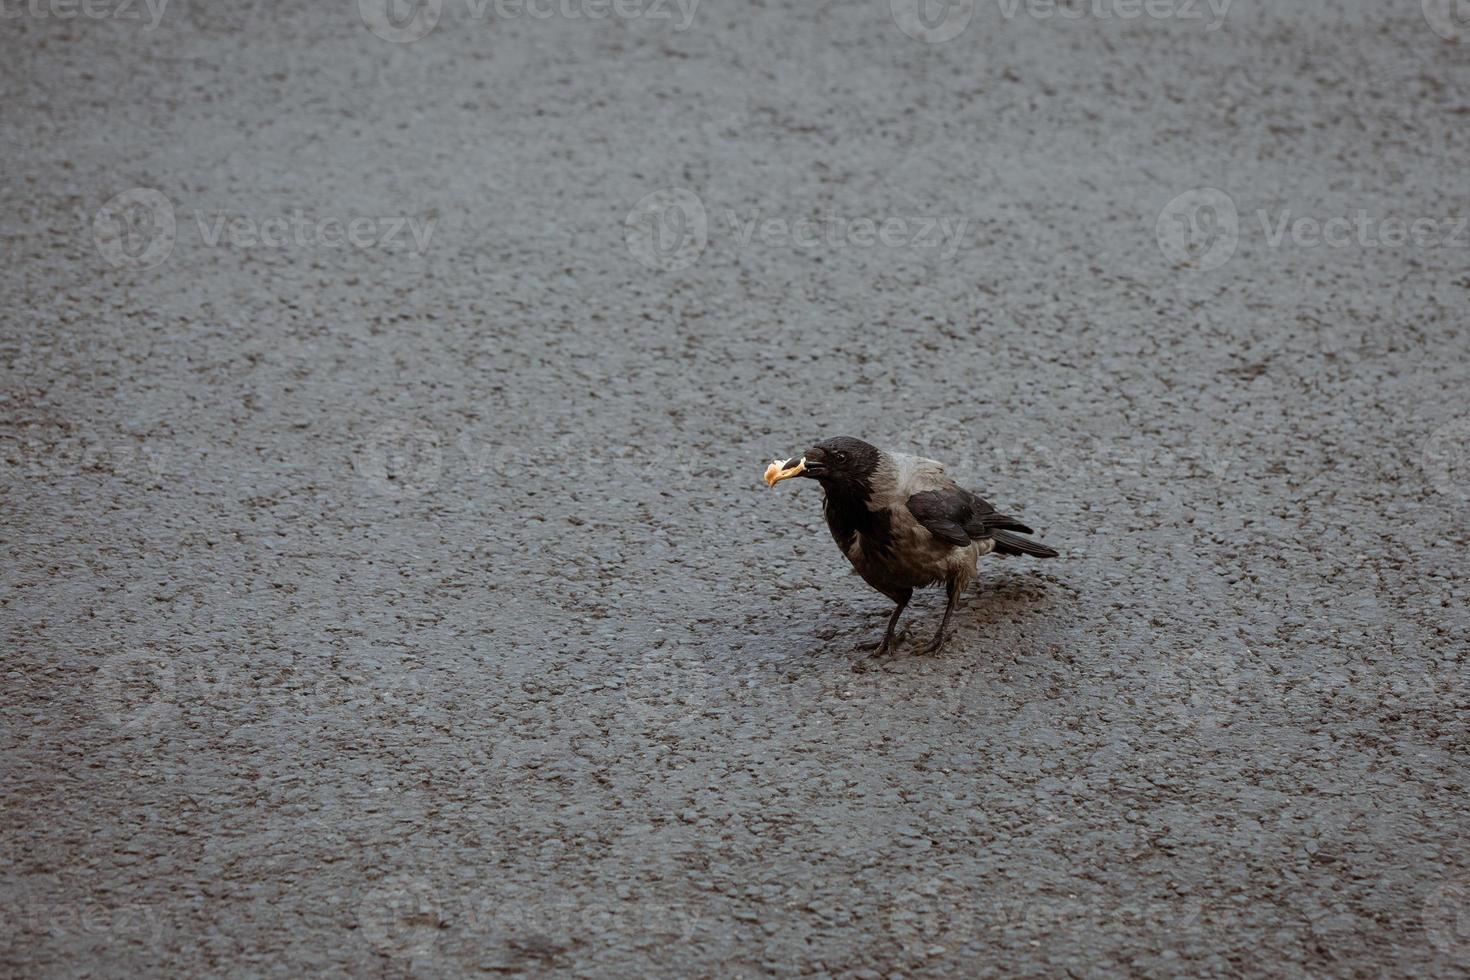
x=816 y=463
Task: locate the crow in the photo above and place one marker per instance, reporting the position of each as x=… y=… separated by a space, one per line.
x=904 y=524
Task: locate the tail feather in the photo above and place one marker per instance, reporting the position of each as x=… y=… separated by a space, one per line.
x=1008 y=543
x=980 y=526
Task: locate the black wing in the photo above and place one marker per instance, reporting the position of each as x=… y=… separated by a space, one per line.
x=959 y=517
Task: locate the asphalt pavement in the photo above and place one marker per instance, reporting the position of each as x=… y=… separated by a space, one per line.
x=390 y=588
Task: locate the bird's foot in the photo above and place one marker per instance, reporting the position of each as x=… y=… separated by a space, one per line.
x=934 y=645
x=880 y=649
x=884 y=645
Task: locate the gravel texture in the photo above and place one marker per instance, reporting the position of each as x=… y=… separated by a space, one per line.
x=416 y=609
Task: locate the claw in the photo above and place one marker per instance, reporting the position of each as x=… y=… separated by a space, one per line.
x=884 y=645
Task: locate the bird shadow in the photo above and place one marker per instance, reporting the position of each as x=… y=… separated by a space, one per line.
x=989 y=602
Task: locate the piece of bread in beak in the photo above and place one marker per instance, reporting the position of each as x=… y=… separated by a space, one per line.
x=784 y=470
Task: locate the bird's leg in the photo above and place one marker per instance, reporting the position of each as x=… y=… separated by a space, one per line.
x=886 y=644
x=953 y=589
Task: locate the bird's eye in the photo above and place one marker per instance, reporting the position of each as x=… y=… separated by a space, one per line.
x=842 y=457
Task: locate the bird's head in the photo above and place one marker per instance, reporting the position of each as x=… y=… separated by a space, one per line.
x=835 y=463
